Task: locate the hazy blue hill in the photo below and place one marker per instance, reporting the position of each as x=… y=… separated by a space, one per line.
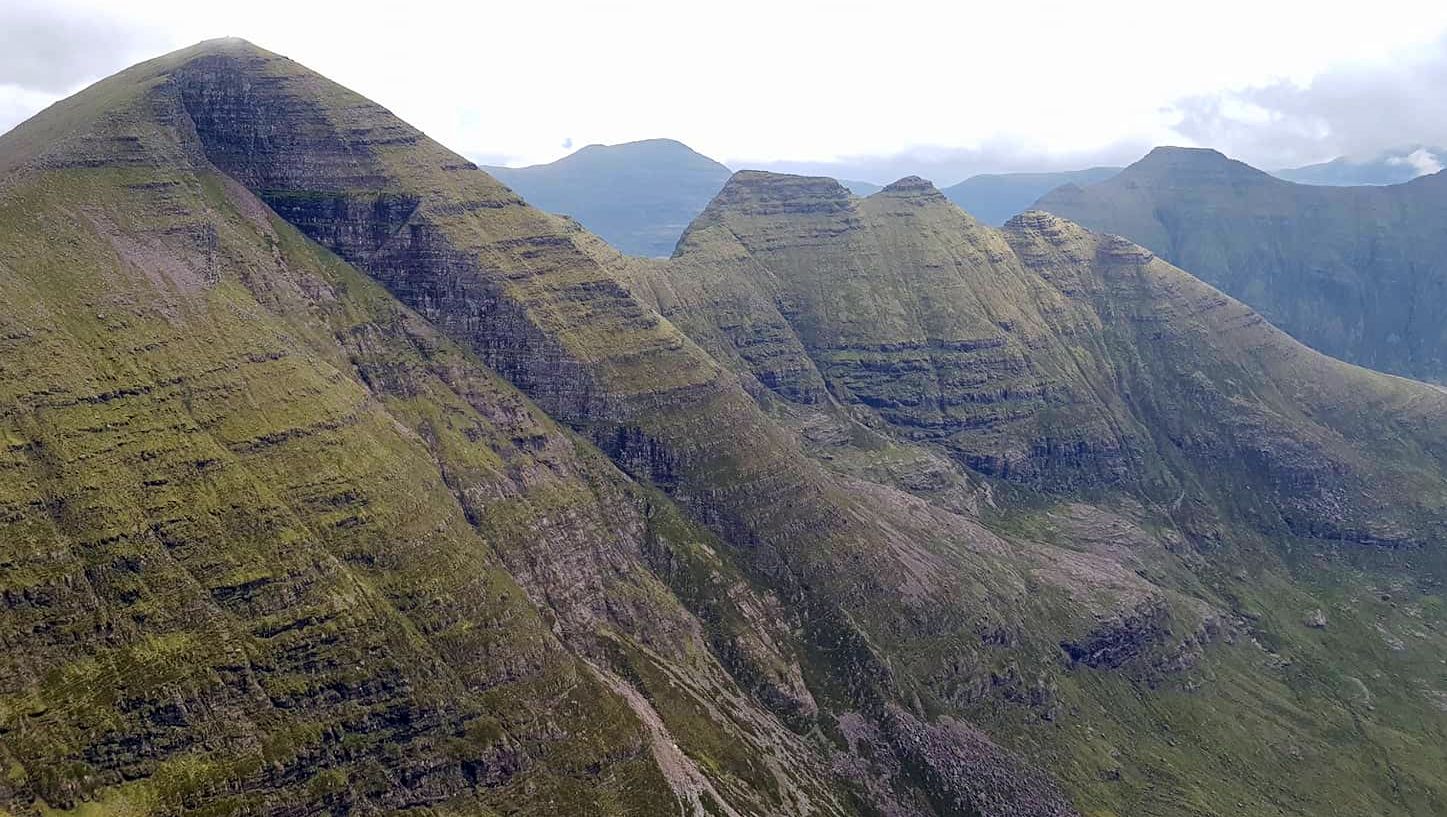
x=860 y=188
x=994 y=198
x=1390 y=167
x=1356 y=272
x=639 y=196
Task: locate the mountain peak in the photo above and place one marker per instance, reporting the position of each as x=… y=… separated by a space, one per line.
x=754 y=194
x=760 y=191
x=638 y=196
x=1047 y=228
x=910 y=184
x=768 y=180
x=97 y=125
x=1038 y=220
x=656 y=148
x=1182 y=153
x=661 y=142
x=215 y=47
x=912 y=187
x=225 y=45
x=1200 y=164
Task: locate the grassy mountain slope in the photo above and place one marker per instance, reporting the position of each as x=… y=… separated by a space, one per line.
x=1355 y=272
x=221 y=594
x=995 y=198
x=638 y=196
x=272 y=542
x=852 y=507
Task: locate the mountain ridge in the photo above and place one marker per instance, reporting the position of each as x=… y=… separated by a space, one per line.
x=767 y=327
x=1352 y=271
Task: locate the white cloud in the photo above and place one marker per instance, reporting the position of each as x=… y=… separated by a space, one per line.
x=1356 y=108
x=1420 y=160
x=49 y=47
x=753 y=81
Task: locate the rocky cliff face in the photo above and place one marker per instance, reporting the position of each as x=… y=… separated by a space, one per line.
x=342 y=480
x=1354 y=272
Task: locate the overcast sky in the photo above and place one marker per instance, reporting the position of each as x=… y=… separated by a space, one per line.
x=942 y=89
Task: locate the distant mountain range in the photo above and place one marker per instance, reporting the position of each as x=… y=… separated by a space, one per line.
x=1390 y=167
x=995 y=198
x=1357 y=272
x=639 y=196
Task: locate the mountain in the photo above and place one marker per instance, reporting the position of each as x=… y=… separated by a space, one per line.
x=272 y=543
x=995 y=198
x=1356 y=272
x=1068 y=368
x=1389 y=167
x=859 y=188
x=638 y=196
x=339 y=479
